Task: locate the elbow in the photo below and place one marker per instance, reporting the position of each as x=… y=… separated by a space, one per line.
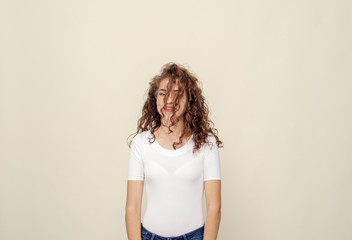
x=132 y=209
x=214 y=209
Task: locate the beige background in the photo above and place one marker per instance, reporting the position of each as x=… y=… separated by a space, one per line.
x=276 y=75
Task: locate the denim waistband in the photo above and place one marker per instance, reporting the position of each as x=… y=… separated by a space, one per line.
x=186 y=236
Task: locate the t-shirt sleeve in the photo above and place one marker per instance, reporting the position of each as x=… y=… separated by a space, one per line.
x=212 y=162
x=135 y=161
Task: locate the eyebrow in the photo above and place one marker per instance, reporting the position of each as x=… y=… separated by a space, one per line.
x=166 y=90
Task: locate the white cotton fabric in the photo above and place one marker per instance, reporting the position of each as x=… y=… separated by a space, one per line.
x=174 y=182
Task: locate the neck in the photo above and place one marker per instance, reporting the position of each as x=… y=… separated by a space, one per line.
x=177 y=129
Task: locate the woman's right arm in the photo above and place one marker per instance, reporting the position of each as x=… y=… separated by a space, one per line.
x=133 y=209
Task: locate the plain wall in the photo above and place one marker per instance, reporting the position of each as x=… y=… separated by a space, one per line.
x=277 y=78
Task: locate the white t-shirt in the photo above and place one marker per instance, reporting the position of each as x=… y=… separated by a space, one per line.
x=174 y=182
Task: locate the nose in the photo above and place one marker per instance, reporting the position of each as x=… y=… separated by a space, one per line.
x=170 y=99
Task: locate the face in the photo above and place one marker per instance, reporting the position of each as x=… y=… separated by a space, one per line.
x=170 y=102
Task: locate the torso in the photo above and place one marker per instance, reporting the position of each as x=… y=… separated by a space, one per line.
x=174 y=182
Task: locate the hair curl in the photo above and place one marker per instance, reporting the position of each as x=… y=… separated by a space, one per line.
x=196 y=119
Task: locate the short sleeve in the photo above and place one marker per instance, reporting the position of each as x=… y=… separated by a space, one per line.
x=135 y=161
x=212 y=161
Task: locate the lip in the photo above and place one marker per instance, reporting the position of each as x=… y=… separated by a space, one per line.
x=168 y=109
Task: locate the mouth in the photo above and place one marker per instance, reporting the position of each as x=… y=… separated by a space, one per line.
x=168 y=109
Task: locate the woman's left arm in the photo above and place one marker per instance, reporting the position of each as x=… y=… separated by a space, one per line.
x=213 y=199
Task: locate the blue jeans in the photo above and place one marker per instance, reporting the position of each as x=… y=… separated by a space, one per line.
x=193 y=235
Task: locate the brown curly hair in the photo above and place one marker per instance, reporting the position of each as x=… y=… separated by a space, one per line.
x=196 y=119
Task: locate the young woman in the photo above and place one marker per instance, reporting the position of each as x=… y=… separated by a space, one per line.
x=175 y=152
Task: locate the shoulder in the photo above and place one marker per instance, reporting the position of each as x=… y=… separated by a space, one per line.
x=209 y=144
x=142 y=137
x=211 y=138
x=211 y=141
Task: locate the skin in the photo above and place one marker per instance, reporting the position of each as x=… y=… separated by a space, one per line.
x=164 y=138
x=212 y=188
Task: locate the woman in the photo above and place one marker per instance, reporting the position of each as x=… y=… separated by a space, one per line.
x=175 y=151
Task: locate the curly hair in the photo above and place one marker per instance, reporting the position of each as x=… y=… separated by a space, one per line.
x=196 y=119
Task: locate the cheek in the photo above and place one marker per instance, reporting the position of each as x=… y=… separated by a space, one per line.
x=183 y=103
x=159 y=104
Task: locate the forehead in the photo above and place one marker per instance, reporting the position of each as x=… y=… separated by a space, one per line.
x=164 y=82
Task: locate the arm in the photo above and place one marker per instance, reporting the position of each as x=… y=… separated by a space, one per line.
x=135 y=185
x=213 y=199
x=133 y=209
